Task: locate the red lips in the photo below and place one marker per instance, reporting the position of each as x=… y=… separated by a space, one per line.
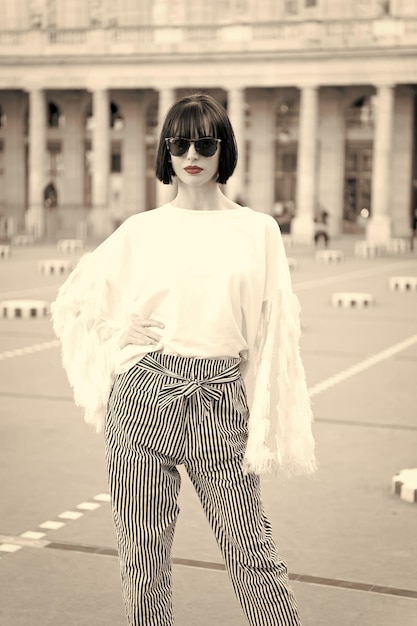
x=193 y=169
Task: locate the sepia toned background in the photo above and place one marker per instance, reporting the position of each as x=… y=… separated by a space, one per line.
x=322 y=95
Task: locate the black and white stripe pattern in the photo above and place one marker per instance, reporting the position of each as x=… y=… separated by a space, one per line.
x=145 y=443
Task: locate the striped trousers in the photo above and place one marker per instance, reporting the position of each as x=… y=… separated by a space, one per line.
x=166 y=411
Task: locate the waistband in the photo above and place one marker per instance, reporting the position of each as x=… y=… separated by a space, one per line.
x=193 y=376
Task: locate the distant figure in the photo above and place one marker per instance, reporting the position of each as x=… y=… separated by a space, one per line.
x=50 y=196
x=284 y=214
x=321 y=230
x=50 y=203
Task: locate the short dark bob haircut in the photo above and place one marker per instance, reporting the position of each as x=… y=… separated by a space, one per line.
x=192 y=117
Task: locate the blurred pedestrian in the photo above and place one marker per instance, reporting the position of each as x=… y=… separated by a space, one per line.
x=413 y=228
x=183 y=331
x=321 y=229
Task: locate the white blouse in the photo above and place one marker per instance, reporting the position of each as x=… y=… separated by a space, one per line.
x=219 y=282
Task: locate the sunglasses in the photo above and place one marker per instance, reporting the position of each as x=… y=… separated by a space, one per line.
x=178 y=146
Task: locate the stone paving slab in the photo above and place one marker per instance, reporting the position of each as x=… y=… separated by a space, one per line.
x=55 y=588
x=344 y=524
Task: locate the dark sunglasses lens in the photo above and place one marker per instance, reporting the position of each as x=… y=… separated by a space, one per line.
x=178 y=147
x=206 y=147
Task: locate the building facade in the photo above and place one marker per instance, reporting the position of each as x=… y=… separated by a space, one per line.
x=322 y=95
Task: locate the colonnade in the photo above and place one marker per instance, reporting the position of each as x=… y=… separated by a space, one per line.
x=379 y=227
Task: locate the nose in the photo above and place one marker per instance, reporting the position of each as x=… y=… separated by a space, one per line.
x=192 y=152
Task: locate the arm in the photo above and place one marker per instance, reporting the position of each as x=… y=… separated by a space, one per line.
x=84 y=318
x=280 y=420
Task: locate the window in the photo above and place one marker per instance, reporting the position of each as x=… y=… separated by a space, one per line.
x=311 y=3
x=55 y=119
x=361 y=112
x=116 y=118
x=55 y=160
x=116 y=158
x=291 y=7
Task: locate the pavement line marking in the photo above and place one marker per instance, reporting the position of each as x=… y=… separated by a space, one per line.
x=220 y=567
x=88 y=506
x=31 y=534
x=22 y=292
x=70 y=515
x=362 y=365
x=37 y=347
x=34 y=538
x=10 y=547
x=51 y=525
x=35 y=396
x=388 y=425
x=327 y=280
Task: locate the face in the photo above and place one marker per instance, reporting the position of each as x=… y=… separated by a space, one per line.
x=195 y=169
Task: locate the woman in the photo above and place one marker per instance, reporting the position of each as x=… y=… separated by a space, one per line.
x=182 y=329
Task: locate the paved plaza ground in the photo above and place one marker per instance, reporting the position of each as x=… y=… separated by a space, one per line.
x=350 y=544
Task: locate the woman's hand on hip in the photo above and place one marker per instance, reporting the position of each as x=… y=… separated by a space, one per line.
x=139 y=332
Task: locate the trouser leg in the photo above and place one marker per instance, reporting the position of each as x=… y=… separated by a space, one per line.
x=143 y=496
x=144 y=485
x=232 y=504
x=259 y=576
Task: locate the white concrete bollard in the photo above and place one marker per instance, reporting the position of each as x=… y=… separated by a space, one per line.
x=292 y=263
x=368 y=249
x=398 y=246
x=24 y=308
x=403 y=283
x=54 y=266
x=404 y=484
x=329 y=256
x=352 y=299
x=70 y=245
x=23 y=240
x=5 y=251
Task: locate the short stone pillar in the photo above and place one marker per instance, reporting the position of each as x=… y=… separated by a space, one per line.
x=23 y=240
x=5 y=252
x=398 y=246
x=404 y=484
x=352 y=299
x=70 y=245
x=54 y=266
x=24 y=308
x=403 y=283
x=329 y=256
x=368 y=249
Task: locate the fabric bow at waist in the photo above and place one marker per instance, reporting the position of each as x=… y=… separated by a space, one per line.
x=187 y=387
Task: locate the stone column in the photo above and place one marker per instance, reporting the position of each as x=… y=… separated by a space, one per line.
x=100 y=214
x=235 y=187
x=379 y=225
x=35 y=216
x=402 y=161
x=164 y=193
x=71 y=199
x=331 y=157
x=15 y=189
x=302 y=227
x=262 y=147
x=134 y=154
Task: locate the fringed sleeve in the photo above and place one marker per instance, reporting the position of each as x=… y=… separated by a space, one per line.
x=280 y=422
x=86 y=320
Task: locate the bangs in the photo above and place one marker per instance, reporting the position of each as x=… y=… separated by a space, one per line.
x=194 y=117
x=192 y=122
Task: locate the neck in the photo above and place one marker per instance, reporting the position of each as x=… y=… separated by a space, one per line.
x=205 y=198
